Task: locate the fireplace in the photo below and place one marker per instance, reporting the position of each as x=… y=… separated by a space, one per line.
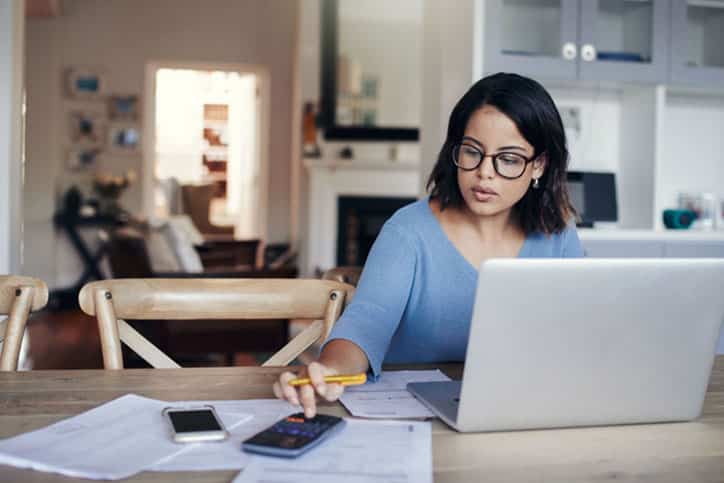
x=330 y=180
x=360 y=219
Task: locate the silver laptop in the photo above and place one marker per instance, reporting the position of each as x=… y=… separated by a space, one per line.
x=583 y=342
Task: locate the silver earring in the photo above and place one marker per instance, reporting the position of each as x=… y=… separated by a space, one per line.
x=536 y=183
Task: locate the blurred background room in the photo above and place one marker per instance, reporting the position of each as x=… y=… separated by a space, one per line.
x=273 y=138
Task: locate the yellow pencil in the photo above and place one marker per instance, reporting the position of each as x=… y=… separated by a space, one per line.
x=352 y=380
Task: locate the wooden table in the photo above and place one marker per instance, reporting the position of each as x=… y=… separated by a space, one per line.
x=691 y=452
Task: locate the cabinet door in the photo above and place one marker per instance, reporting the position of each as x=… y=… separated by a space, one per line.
x=624 y=40
x=623 y=248
x=531 y=37
x=697 y=36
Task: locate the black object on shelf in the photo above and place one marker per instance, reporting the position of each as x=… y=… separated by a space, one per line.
x=70 y=223
x=593 y=195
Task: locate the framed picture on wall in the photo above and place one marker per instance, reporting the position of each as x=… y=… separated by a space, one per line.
x=123 y=107
x=124 y=138
x=87 y=127
x=82 y=157
x=85 y=83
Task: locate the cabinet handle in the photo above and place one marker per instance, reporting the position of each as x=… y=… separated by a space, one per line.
x=588 y=53
x=569 y=51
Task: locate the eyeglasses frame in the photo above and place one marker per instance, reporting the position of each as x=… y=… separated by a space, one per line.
x=493 y=158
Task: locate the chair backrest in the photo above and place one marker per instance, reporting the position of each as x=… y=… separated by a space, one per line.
x=18 y=297
x=189 y=299
x=347 y=274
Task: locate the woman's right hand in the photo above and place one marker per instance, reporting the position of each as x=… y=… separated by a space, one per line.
x=306 y=395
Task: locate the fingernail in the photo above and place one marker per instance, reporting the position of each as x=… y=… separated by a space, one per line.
x=321 y=389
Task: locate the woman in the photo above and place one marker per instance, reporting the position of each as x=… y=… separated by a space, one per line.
x=498 y=189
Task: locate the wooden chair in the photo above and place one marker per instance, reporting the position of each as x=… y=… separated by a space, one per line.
x=18 y=297
x=111 y=301
x=347 y=274
x=197 y=204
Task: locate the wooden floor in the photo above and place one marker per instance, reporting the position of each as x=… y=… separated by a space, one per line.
x=69 y=340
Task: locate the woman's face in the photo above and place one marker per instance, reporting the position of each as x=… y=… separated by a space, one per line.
x=485 y=192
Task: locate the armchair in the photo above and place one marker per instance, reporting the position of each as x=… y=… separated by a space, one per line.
x=196 y=201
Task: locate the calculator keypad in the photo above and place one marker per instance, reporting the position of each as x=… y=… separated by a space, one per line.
x=298 y=425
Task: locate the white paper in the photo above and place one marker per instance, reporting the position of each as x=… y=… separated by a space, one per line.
x=388 y=398
x=113 y=441
x=364 y=451
x=227 y=455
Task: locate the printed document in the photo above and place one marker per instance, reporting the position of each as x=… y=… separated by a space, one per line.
x=363 y=452
x=113 y=441
x=388 y=398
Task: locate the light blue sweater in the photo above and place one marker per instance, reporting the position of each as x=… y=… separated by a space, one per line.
x=414 y=300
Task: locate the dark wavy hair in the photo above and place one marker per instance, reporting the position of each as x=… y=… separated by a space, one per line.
x=531 y=108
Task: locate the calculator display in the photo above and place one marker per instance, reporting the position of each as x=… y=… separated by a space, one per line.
x=294 y=432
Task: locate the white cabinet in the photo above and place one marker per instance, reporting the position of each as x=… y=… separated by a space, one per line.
x=652 y=244
x=613 y=40
x=697 y=33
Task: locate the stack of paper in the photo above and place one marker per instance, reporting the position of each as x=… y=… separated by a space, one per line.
x=364 y=451
x=129 y=435
x=388 y=398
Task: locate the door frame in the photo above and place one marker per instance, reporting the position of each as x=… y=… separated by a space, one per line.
x=12 y=133
x=149 y=128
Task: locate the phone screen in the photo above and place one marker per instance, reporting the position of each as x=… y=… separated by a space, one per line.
x=193 y=421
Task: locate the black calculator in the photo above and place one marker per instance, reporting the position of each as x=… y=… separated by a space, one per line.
x=293 y=435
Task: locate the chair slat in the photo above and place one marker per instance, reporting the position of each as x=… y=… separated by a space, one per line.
x=144 y=348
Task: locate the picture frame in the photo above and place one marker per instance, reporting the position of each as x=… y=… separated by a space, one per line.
x=85 y=83
x=123 y=107
x=124 y=138
x=80 y=158
x=87 y=127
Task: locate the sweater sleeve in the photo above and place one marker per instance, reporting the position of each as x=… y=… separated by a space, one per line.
x=572 y=247
x=381 y=297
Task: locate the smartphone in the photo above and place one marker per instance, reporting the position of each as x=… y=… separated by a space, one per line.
x=293 y=435
x=194 y=424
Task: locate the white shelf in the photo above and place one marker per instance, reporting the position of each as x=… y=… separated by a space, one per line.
x=654 y=235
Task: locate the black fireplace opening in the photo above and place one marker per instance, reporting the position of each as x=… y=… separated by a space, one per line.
x=360 y=219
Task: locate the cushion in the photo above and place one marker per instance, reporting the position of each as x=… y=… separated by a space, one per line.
x=183 y=247
x=184 y=223
x=161 y=253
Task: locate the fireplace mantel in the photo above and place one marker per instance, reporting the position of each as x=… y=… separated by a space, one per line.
x=361 y=164
x=331 y=178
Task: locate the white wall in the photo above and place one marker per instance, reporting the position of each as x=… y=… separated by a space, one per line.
x=12 y=23
x=447 y=72
x=596 y=145
x=691 y=149
x=121 y=37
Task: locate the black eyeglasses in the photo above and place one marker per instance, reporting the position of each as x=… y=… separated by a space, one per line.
x=508 y=165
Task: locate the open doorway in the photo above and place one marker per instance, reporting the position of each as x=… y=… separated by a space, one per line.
x=208 y=129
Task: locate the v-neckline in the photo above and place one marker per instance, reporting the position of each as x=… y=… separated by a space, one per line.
x=471 y=269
